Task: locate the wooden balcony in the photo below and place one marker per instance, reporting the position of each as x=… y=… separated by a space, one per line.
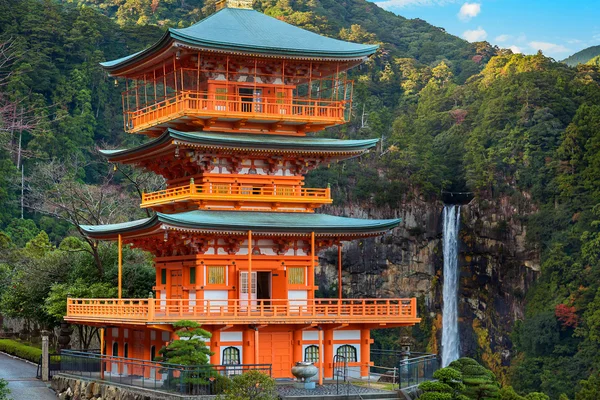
x=396 y=312
x=224 y=192
x=236 y=113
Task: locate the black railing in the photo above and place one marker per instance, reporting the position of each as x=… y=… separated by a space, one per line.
x=413 y=371
x=53 y=366
x=202 y=379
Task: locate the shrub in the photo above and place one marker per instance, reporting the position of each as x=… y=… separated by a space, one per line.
x=252 y=385
x=4 y=390
x=20 y=350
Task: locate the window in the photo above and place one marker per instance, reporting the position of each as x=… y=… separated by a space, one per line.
x=193 y=275
x=311 y=354
x=295 y=275
x=220 y=188
x=280 y=96
x=285 y=191
x=126 y=350
x=115 y=349
x=163 y=276
x=216 y=275
x=222 y=93
x=152 y=353
x=347 y=351
x=231 y=356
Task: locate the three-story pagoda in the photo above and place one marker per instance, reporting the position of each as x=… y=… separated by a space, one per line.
x=228 y=103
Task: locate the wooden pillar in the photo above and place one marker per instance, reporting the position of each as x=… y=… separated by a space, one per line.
x=339 y=269
x=248 y=347
x=365 y=352
x=255 y=345
x=311 y=272
x=215 y=348
x=321 y=356
x=297 y=347
x=120 y=245
x=328 y=353
x=249 y=271
x=101 y=353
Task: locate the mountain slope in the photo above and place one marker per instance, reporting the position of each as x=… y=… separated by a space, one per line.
x=583 y=56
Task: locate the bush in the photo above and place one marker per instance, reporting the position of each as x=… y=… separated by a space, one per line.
x=252 y=385
x=4 y=390
x=20 y=350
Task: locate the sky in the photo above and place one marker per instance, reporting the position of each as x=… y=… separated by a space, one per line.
x=557 y=27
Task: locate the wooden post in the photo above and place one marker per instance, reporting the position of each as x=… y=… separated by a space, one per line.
x=365 y=352
x=339 y=269
x=311 y=272
x=321 y=357
x=120 y=241
x=249 y=271
x=256 y=346
x=101 y=353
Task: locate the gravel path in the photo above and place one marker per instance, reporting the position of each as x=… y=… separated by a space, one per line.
x=21 y=379
x=327 y=390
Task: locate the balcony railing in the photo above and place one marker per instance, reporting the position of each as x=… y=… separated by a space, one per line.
x=234 y=311
x=233 y=192
x=238 y=107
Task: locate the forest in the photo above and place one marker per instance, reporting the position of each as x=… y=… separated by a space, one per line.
x=451 y=115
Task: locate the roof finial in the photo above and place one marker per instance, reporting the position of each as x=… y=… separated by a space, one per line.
x=247 y=4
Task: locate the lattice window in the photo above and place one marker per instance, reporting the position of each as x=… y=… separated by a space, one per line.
x=311 y=354
x=221 y=93
x=280 y=96
x=285 y=191
x=220 y=188
x=296 y=275
x=231 y=356
x=216 y=275
x=347 y=351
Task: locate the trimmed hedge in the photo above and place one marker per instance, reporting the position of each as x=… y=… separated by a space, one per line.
x=20 y=350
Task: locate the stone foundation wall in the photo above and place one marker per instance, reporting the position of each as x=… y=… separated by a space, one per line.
x=74 y=388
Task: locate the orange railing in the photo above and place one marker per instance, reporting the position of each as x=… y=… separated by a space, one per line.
x=230 y=106
x=243 y=311
x=234 y=192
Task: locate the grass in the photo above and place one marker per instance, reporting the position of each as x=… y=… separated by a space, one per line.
x=377 y=385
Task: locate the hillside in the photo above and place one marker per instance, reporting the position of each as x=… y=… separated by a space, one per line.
x=583 y=56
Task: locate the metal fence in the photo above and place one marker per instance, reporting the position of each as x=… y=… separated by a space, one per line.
x=204 y=379
x=413 y=371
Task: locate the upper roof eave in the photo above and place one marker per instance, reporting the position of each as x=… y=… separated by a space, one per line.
x=242 y=221
x=250 y=141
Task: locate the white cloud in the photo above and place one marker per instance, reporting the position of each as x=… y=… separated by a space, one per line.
x=574 y=41
x=502 y=38
x=469 y=10
x=476 y=35
x=515 y=49
x=548 y=47
x=387 y=4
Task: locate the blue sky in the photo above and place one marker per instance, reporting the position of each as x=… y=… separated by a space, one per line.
x=558 y=28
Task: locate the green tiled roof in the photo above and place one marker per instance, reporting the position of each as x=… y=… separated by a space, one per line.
x=249 y=141
x=251 y=31
x=246 y=220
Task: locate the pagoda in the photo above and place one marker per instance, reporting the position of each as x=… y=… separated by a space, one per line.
x=228 y=104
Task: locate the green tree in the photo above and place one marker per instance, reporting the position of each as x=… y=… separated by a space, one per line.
x=480 y=383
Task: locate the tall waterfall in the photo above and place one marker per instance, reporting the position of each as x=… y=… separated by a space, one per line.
x=450 y=339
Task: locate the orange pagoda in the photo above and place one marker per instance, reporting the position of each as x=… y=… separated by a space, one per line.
x=228 y=103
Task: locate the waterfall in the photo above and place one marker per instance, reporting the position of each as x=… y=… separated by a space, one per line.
x=450 y=339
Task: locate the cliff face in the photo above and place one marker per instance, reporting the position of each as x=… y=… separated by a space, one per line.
x=496 y=268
